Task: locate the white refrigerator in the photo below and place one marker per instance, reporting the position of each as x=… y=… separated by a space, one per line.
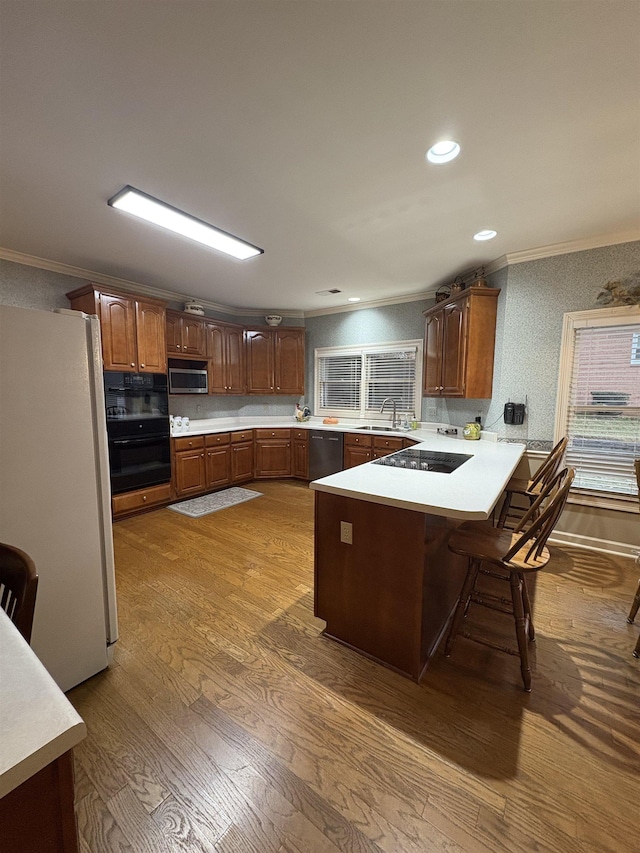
x=55 y=497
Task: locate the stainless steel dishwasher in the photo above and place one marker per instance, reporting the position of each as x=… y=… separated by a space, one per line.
x=325 y=453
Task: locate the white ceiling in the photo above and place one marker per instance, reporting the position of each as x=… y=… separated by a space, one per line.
x=301 y=126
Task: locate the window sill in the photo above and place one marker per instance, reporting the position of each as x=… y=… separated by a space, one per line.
x=602 y=502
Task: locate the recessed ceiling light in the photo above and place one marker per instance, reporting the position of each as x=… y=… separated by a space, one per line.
x=443 y=152
x=159 y=213
x=486 y=234
x=353 y=299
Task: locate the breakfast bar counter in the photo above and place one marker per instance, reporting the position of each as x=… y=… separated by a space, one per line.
x=385 y=580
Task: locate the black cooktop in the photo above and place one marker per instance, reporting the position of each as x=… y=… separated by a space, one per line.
x=424 y=460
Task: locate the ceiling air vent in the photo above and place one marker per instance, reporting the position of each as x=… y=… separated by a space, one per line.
x=325 y=292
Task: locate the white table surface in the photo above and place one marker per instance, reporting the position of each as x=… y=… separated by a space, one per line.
x=37 y=722
x=470 y=492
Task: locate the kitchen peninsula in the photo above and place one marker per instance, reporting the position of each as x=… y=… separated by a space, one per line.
x=385 y=580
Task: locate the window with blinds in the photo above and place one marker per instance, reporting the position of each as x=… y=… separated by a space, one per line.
x=357 y=381
x=601 y=415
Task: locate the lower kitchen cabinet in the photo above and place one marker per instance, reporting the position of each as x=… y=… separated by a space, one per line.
x=384 y=446
x=189 y=466
x=300 y=454
x=141 y=499
x=217 y=460
x=273 y=453
x=241 y=456
x=357 y=449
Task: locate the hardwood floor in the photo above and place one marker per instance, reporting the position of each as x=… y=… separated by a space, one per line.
x=229 y=724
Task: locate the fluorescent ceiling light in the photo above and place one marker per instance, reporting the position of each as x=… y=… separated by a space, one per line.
x=486 y=234
x=153 y=210
x=443 y=152
x=353 y=299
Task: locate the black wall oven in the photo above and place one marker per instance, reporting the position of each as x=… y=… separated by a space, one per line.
x=138 y=430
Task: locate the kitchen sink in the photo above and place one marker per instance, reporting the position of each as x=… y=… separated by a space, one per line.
x=380 y=428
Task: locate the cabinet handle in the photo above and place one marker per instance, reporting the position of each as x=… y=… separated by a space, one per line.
x=272 y=387
x=144 y=497
x=278 y=387
x=142 y=365
x=133 y=364
x=202 y=455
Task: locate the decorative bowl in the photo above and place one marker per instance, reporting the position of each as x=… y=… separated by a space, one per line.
x=193 y=307
x=273 y=319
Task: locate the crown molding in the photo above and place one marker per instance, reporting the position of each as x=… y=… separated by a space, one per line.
x=568 y=248
x=134 y=286
x=374 y=303
x=509 y=259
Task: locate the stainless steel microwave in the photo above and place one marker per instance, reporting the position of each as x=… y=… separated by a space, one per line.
x=187 y=380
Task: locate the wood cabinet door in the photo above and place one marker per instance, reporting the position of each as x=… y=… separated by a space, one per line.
x=174 y=333
x=289 y=361
x=189 y=472
x=273 y=458
x=454 y=349
x=118 y=329
x=241 y=462
x=193 y=342
x=259 y=356
x=151 y=337
x=234 y=356
x=218 y=466
x=356 y=456
x=300 y=460
x=432 y=374
x=217 y=362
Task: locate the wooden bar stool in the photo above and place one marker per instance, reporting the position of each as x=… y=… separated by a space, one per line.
x=18 y=587
x=508 y=556
x=530 y=489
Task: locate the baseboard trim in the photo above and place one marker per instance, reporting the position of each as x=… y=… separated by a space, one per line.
x=590 y=543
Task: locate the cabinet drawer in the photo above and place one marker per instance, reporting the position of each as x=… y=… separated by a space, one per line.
x=273 y=433
x=301 y=434
x=217 y=438
x=352 y=439
x=243 y=435
x=140 y=499
x=188 y=443
x=389 y=444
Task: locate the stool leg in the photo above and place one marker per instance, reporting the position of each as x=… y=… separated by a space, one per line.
x=636 y=651
x=519 y=618
x=527 y=608
x=634 y=606
x=461 y=606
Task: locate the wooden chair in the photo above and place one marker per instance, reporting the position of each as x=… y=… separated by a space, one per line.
x=508 y=556
x=636 y=600
x=530 y=489
x=18 y=587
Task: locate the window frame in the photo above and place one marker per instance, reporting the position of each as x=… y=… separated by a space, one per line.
x=362 y=414
x=598 y=317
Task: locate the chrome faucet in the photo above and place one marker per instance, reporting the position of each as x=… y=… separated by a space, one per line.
x=394 y=422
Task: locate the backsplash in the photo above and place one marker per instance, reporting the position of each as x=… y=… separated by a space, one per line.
x=198 y=407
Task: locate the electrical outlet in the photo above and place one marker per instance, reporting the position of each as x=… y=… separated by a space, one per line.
x=346 y=532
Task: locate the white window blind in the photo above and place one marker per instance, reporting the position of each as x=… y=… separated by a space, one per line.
x=357 y=381
x=602 y=417
x=339 y=381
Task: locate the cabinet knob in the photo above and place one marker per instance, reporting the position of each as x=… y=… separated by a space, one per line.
x=144 y=497
x=133 y=364
x=190 y=444
x=278 y=387
x=202 y=455
x=142 y=365
x=272 y=387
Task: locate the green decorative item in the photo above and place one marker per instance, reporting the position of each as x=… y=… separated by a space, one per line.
x=472 y=431
x=625 y=292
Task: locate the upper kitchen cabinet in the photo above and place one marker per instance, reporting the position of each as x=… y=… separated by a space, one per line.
x=275 y=360
x=132 y=328
x=185 y=334
x=459 y=345
x=225 y=351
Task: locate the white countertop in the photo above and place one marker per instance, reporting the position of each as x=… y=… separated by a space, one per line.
x=470 y=492
x=37 y=722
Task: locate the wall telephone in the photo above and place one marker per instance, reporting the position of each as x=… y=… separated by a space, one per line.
x=514 y=413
